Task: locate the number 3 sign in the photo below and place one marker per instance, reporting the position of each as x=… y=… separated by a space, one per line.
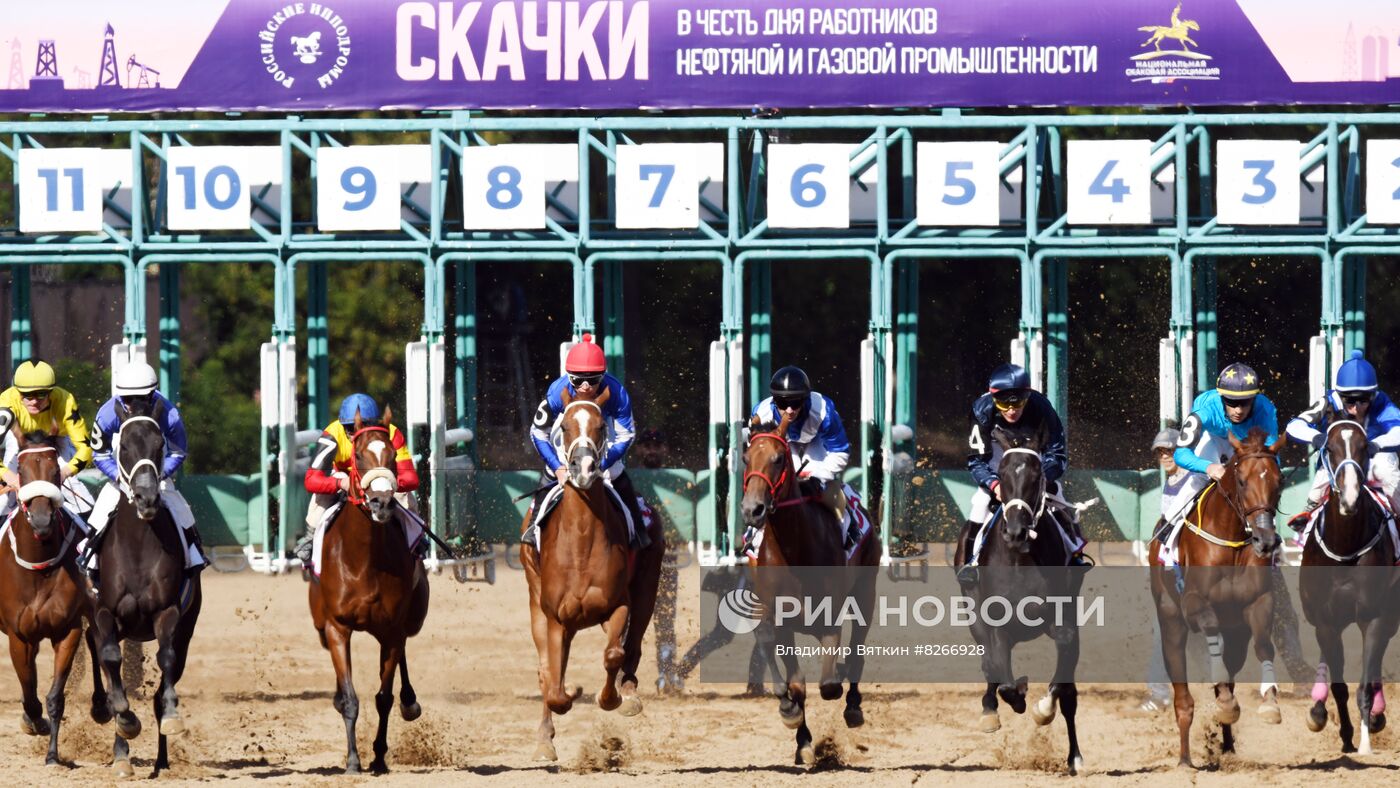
x=1258 y=182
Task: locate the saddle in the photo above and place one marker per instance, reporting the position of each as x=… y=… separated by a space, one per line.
x=551 y=501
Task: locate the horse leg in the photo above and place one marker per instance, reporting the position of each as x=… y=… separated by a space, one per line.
x=110 y=654
x=559 y=698
x=1329 y=642
x=642 y=596
x=166 y=703
x=855 y=663
x=346 y=701
x=1012 y=691
x=63 y=652
x=613 y=656
x=1260 y=618
x=389 y=656
x=23 y=655
x=830 y=684
x=101 y=710
x=539 y=632
x=1375 y=636
x=408 y=699
x=1069 y=704
x=1174 y=634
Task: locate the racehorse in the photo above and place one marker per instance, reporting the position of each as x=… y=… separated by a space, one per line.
x=583 y=574
x=1351 y=533
x=1222 y=588
x=369 y=581
x=42 y=595
x=799 y=530
x=1026 y=558
x=144 y=592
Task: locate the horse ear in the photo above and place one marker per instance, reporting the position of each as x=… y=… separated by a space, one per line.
x=1234 y=441
x=784 y=423
x=566 y=396
x=755 y=422
x=603 y=398
x=158 y=412
x=388 y=416
x=1002 y=439
x=1279 y=444
x=359 y=422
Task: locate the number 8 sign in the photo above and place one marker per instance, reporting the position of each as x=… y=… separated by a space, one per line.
x=503 y=186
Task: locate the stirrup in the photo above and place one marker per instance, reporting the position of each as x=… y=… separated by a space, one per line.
x=1080 y=559
x=967 y=575
x=303 y=548
x=529 y=537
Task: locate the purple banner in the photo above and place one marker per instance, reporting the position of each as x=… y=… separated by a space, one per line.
x=164 y=55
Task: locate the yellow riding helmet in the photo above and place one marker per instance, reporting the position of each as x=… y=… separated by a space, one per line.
x=34 y=376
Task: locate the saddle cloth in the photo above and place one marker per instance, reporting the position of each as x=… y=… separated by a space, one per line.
x=1315 y=523
x=411 y=521
x=1053 y=503
x=854 y=537
x=551 y=500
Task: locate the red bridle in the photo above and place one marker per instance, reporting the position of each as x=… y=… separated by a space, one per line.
x=355 y=474
x=784 y=478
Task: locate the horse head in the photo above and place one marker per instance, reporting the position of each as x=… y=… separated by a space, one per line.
x=1252 y=483
x=1347 y=460
x=770 y=473
x=1021 y=480
x=140 y=448
x=39 y=479
x=585 y=434
x=374 y=480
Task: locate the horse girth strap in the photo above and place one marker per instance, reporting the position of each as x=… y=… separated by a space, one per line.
x=39 y=566
x=1206 y=535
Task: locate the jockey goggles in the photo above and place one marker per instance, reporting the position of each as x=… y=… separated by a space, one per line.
x=786 y=403
x=1236 y=402
x=1009 y=400
x=36 y=396
x=1356 y=398
x=592 y=380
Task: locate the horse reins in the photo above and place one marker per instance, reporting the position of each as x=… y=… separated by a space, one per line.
x=360 y=480
x=1020 y=503
x=123 y=474
x=39 y=488
x=1200 y=531
x=783 y=478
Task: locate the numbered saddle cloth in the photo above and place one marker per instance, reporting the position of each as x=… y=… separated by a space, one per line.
x=552 y=498
x=411 y=522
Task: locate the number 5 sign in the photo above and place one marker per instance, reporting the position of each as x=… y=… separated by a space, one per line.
x=1258 y=181
x=809 y=186
x=957 y=184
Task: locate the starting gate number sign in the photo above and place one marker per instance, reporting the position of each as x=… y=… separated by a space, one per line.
x=211 y=187
x=809 y=186
x=658 y=184
x=59 y=190
x=1109 y=182
x=503 y=186
x=956 y=183
x=359 y=187
x=1383 y=181
x=1258 y=181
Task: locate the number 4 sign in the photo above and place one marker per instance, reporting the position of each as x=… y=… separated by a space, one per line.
x=1108 y=182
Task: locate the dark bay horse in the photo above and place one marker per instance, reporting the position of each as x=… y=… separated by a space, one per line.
x=1348 y=577
x=1224 y=589
x=584 y=575
x=144 y=592
x=42 y=595
x=1026 y=557
x=371 y=582
x=801 y=531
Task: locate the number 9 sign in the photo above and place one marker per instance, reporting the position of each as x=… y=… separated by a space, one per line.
x=809 y=186
x=1258 y=182
x=357 y=188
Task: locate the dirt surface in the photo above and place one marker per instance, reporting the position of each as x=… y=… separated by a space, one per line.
x=256 y=698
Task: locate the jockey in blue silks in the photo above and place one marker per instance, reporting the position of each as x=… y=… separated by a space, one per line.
x=1235 y=406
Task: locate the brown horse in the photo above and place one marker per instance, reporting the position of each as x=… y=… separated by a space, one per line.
x=584 y=574
x=800 y=530
x=42 y=595
x=370 y=582
x=1348 y=578
x=1223 y=589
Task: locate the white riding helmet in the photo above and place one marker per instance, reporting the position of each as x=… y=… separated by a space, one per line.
x=135 y=379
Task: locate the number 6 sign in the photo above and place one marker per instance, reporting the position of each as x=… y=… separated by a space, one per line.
x=1258 y=181
x=809 y=186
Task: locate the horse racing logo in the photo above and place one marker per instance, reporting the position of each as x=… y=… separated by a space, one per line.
x=1168 y=65
x=308 y=42
x=740 y=611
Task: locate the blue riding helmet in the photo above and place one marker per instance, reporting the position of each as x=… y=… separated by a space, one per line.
x=1356 y=375
x=364 y=403
x=1008 y=377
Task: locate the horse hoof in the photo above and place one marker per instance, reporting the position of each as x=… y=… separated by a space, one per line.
x=806 y=755
x=854 y=717
x=609 y=699
x=1378 y=723
x=128 y=726
x=378 y=766
x=410 y=711
x=101 y=714
x=1185 y=764
x=1317 y=717
x=991 y=723
x=1043 y=711
x=123 y=768
x=1270 y=714
x=172 y=726
x=831 y=691
x=545 y=752
x=631 y=706
x=1227 y=715
x=1013 y=698
x=573 y=691
x=39 y=727
x=1075 y=764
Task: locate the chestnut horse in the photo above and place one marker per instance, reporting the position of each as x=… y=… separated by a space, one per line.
x=369 y=581
x=1351 y=533
x=584 y=574
x=42 y=595
x=799 y=530
x=1026 y=560
x=1222 y=588
x=144 y=591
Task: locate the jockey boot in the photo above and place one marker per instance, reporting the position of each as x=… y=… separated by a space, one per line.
x=834 y=497
x=303 y=548
x=1299 y=521
x=967 y=573
x=547 y=485
x=640 y=539
x=1077 y=558
x=197 y=558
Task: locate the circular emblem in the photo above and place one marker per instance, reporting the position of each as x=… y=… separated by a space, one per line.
x=305 y=44
x=740 y=611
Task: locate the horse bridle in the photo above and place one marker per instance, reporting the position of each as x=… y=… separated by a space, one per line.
x=1199 y=528
x=38 y=488
x=1021 y=503
x=366 y=480
x=588 y=443
x=783 y=478
x=123 y=474
x=1327 y=460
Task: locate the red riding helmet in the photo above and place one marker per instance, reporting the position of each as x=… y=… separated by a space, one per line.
x=585 y=357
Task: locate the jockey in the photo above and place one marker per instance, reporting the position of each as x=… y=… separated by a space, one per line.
x=36 y=404
x=328 y=476
x=135 y=384
x=585 y=374
x=1235 y=406
x=1011 y=404
x=815 y=436
x=1359 y=397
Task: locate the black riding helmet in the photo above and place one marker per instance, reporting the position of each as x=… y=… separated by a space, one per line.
x=790 y=385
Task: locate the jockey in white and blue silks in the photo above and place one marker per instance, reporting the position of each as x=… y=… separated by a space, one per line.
x=1358 y=395
x=137 y=382
x=585 y=372
x=815 y=436
x=1235 y=406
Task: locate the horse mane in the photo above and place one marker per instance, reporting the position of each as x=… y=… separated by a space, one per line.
x=1014 y=437
x=1254 y=441
x=760 y=424
x=40 y=438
